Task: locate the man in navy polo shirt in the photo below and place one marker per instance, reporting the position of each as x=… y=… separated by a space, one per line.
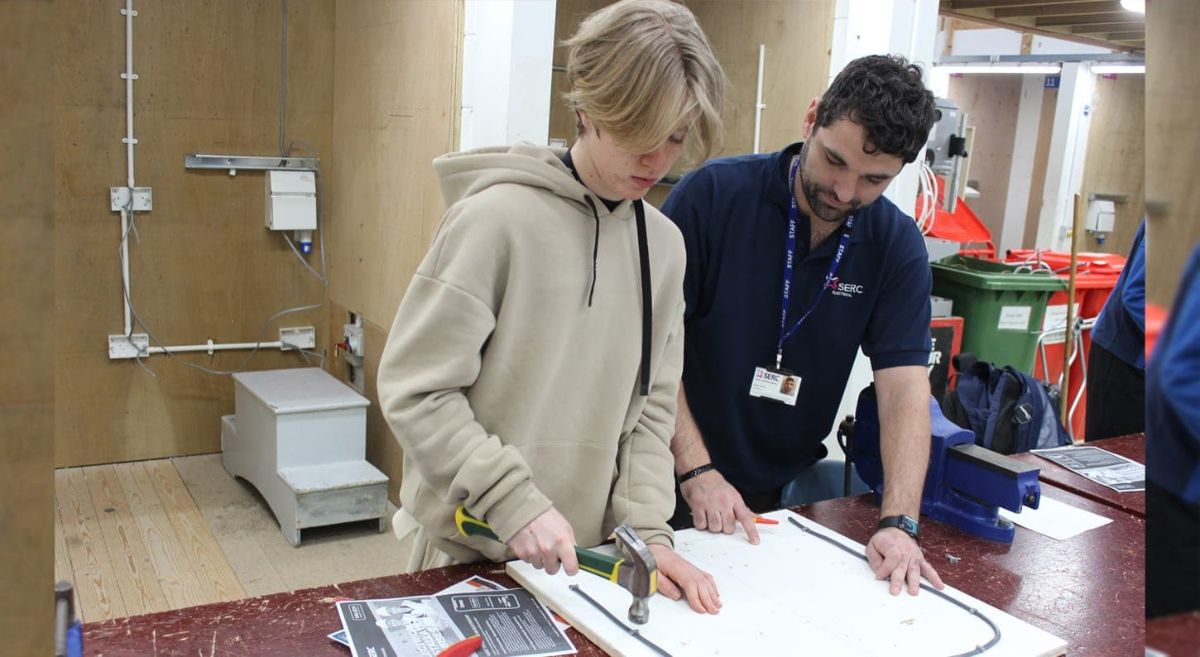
x=795 y=261
x=1173 y=456
x=1116 y=367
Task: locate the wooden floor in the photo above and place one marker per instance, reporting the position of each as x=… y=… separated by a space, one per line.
x=158 y=535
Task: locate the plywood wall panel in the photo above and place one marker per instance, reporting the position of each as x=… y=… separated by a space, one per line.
x=396 y=78
x=205 y=267
x=107 y=399
x=382 y=449
x=1116 y=157
x=798 y=37
x=26 y=334
x=396 y=70
x=567 y=16
x=991 y=103
x=1172 y=143
x=85 y=311
x=385 y=205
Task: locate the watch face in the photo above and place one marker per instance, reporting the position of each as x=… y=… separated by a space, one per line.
x=903 y=523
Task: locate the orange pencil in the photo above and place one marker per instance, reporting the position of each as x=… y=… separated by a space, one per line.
x=759 y=520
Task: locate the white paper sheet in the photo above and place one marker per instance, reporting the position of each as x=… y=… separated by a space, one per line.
x=792 y=594
x=1055 y=519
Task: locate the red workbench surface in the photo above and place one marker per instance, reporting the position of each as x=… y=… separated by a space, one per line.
x=292 y=624
x=1087 y=590
x=1177 y=636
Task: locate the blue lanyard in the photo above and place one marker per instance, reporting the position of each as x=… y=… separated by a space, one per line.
x=789 y=266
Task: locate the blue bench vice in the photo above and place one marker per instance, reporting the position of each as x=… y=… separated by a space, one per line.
x=965 y=485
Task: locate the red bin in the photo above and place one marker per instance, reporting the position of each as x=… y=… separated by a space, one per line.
x=1096 y=276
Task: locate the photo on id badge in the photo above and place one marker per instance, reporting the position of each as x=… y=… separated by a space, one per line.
x=776 y=385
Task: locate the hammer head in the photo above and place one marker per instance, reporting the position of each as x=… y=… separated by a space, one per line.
x=638 y=573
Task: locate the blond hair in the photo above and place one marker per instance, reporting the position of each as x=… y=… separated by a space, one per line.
x=639 y=68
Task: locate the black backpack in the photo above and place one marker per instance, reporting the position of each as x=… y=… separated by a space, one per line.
x=1009 y=410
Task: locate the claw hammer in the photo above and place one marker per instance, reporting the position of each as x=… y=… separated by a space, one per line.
x=635 y=570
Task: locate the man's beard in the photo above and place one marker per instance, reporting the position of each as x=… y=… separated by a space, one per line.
x=811 y=191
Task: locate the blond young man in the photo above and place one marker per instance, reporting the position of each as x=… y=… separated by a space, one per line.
x=532 y=369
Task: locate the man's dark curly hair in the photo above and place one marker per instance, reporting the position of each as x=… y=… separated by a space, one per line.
x=884 y=94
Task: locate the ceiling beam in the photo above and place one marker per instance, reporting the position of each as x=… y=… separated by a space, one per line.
x=1066 y=36
x=1112 y=17
x=1127 y=36
x=1081 y=8
x=959 y=5
x=1100 y=28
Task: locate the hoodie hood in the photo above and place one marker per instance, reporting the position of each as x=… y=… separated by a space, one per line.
x=467 y=173
x=461 y=175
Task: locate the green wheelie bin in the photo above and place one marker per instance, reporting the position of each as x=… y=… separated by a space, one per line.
x=1002 y=306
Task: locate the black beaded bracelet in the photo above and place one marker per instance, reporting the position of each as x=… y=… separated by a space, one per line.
x=690 y=474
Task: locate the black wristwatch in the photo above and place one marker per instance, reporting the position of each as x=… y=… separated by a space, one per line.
x=903 y=523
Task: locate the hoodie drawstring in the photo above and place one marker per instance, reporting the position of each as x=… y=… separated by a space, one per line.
x=647 y=314
x=595 y=247
x=647 y=301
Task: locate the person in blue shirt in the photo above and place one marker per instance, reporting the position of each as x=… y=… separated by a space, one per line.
x=795 y=261
x=1116 y=372
x=1173 y=456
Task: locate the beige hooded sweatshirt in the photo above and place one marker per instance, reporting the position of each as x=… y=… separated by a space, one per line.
x=509 y=392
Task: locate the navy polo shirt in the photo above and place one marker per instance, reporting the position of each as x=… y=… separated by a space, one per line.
x=733 y=216
x=1121 y=326
x=1173 y=394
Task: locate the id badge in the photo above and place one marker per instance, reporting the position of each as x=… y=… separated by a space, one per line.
x=776 y=385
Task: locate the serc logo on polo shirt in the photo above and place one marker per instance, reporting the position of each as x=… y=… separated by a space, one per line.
x=848 y=290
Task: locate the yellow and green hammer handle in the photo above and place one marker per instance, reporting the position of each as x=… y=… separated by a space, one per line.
x=594 y=562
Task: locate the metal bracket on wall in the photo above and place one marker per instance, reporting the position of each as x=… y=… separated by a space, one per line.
x=233 y=163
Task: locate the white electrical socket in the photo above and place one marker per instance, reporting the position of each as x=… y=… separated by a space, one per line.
x=354 y=336
x=119 y=199
x=121 y=346
x=293 y=337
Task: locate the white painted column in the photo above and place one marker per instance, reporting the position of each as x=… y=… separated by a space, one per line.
x=871 y=27
x=913 y=34
x=860 y=27
x=508 y=49
x=1068 y=145
x=903 y=27
x=1020 y=175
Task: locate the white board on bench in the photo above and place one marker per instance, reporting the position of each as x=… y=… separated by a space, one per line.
x=791 y=594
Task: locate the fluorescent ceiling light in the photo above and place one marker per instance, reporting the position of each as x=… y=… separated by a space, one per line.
x=1043 y=69
x=1101 y=69
x=1134 y=5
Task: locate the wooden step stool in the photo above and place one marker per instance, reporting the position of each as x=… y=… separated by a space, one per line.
x=299 y=437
